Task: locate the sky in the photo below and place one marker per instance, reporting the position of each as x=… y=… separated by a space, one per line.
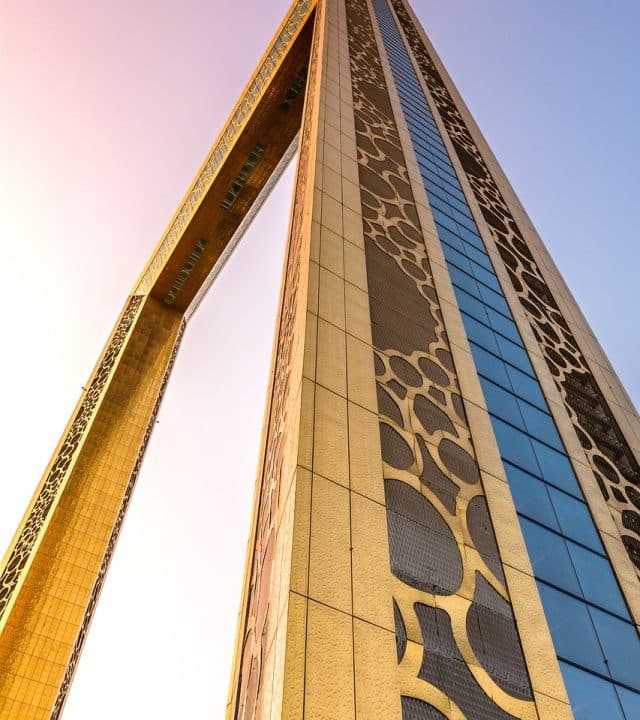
x=107 y=112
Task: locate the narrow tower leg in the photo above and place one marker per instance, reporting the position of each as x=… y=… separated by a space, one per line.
x=55 y=567
x=316 y=632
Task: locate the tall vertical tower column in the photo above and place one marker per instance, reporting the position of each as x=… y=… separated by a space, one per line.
x=54 y=570
x=385 y=555
x=315 y=630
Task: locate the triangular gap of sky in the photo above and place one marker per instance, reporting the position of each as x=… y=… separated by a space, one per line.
x=108 y=111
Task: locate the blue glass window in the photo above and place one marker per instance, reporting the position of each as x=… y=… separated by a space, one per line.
x=572 y=629
x=486 y=277
x=526 y=387
x=467 y=303
x=493 y=299
x=531 y=497
x=448 y=236
x=464 y=281
x=456 y=257
x=480 y=334
x=478 y=257
x=620 y=646
x=504 y=326
x=472 y=238
x=445 y=220
x=575 y=520
x=597 y=581
x=592 y=698
x=630 y=702
x=550 y=557
x=503 y=403
x=540 y=425
x=515 y=446
x=490 y=366
x=556 y=468
x=514 y=354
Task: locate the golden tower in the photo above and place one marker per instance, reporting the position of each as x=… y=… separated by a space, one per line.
x=446 y=514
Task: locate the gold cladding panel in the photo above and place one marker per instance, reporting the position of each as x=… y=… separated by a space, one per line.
x=50 y=604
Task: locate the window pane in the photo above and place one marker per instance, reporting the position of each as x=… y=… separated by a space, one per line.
x=471 y=237
x=504 y=326
x=549 y=557
x=530 y=496
x=526 y=387
x=490 y=366
x=488 y=278
x=434 y=191
x=479 y=257
x=456 y=258
x=451 y=237
x=441 y=218
x=540 y=425
x=464 y=221
x=440 y=204
x=464 y=281
x=459 y=205
x=501 y=403
x=597 y=581
x=480 y=334
x=592 y=698
x=433 y=185
x=630 y=703
x=572 y=630
x=453 y=190
x=621 y=647
x=472 y=306
x=575 y=519
x=515 y=446
x=514 y=354
x=497 y=302
x=556 y=468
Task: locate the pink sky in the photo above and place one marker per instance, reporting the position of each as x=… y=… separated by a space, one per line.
x=111 y=110
x=107 y=111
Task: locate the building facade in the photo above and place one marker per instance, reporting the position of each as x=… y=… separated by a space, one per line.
x=447 y=509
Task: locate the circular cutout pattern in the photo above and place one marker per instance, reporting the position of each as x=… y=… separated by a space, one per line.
x=405 y=371
x=395 y=449
x=433 y=371
x=458 y=461
x=422 y=548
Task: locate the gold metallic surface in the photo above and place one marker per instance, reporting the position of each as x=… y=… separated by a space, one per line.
x=41 y=626
x=542 y=665
x=53 y=571
x=240 y=117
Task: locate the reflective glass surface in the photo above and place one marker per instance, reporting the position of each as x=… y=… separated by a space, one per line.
x=575 y=520
x=550 y=557
x=592 y=698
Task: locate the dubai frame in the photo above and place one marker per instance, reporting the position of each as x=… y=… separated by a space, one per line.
x=447 y=513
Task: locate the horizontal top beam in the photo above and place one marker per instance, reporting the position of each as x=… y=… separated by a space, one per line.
x=258 y=133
